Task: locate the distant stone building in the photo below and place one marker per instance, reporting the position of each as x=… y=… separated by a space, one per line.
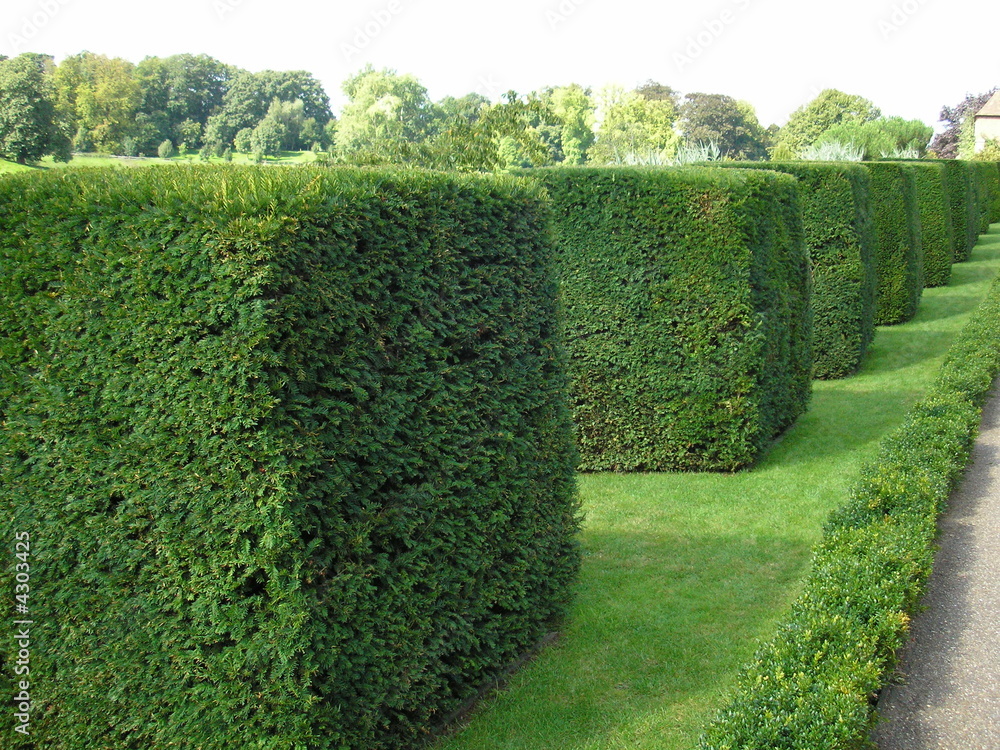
x=988 y=122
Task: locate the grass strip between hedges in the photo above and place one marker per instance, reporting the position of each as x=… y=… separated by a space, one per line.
x=685 y=575
x=814 y=684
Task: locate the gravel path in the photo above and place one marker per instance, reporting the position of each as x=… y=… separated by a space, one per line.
x=949 y=698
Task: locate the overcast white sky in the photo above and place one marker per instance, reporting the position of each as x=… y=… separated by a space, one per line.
x=908 y=56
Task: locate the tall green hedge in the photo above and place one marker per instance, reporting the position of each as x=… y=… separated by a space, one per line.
x=840 y=238
x=987 y=192
x=962 y=199
x=936 y=230
x=812 y=686
x=996 y=198
x=293 y=449
x=688 y=319
x=899 y=259
x=986 y=188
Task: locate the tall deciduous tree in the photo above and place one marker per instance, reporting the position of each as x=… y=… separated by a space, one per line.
x=29 y=125
x=574 y=109
x=632 y=126
x=720 y=119
x=100 y=96
x=810 y=121
x=386 y=114
x=250 y=96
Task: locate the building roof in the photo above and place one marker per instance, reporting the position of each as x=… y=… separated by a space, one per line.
x=992 y=108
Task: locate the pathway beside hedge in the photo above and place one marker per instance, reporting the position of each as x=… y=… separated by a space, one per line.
x=948 y=696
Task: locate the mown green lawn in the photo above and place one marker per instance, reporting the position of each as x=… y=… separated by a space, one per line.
x=96 y=160
x=684 y=574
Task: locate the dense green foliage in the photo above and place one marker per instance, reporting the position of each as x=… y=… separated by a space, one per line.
x=810 y=121
x=29 y=125
x=688 y=319
x=936 y=230
x=962 y=201
x=840 y=239
x=883 y=138
x=812 y=685
x=899 y=266
x=987 y=183
x=719 y=119
x=292 y=446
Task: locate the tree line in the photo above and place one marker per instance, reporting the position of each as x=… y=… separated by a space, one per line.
x=92 y=103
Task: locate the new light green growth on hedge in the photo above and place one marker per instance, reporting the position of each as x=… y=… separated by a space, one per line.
x=840 y=238
x=293 y=448
x=899 y=262
x=688 y=319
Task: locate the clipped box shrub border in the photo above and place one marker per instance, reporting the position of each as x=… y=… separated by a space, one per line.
x=815 y=683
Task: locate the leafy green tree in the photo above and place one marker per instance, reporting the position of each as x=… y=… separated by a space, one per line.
x=657 y=92
x=729 y=124
x=882 y=137
x=291 y=117
x=632 y=127
x=242 y=140
x=810 y=121
x=386 y=114
x=165 y=150
x=29 y=125
x=574 y=110
x=250 y=95
x=268 y=137
x=500 y=135
x=182 y=87
x=188 y=132
x=99 y=96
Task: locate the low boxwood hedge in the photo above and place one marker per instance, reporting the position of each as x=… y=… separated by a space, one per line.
x=814 y=684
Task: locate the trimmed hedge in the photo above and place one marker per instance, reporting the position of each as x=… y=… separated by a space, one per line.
x=292 y=446
x=996 y=197
x=688 y=319
x=985 y=182
x=814 y=685
x=899 y=259
x=936 y=230
x=962 y=199
x=840 y=238
x=987 y=192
